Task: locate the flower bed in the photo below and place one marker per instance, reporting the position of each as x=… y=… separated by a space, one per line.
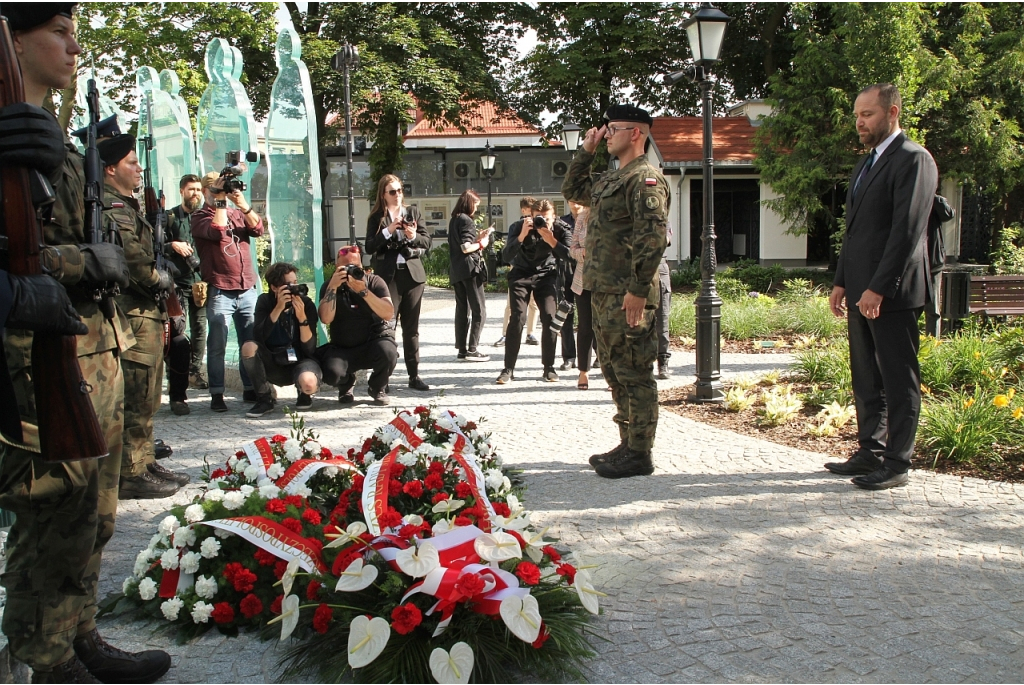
x=410 y=558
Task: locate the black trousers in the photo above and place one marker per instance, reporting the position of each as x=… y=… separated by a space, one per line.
x=264 y=371
x=469 y=298
x=179 y=354
x=196 y=325
x=339 y=364
x=567 y=334
x=407 y=296
x=543 y=288
x=886 y=383
x=585 y=343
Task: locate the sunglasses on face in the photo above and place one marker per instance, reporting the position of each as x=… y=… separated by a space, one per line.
x=354 y=249
x=394 y=191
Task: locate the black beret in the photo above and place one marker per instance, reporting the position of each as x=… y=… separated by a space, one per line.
x=628 y=113
x=105 y=128
x=113 y=150
x=24 y=16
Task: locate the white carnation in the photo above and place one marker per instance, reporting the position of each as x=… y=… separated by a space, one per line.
x=313 y=447
x=157 y=539
x=302 y=491
x=201 y=612
x=171 y=607
x=147 y=589
x=275 y=471
x=142 y=562
x=368 y=458
x=214 y=495
x=251 y=473
x=168 y=525
x=292 y=450
x=232 y=461
x=233 y=500
x=240 y=465
x=169 y=560
x=206 y=587
x=331 y=471
x=184 y=537
x=411 y=419
x=407 y=459
x=221 y=533
x=210 y=548
x=246 y=490
x=127 y=585
x=461 y=420
x=189 y=562
x=194 y=513
x=269 y=491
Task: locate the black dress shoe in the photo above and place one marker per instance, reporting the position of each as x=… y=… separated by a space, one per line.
x=861 y=463
x=162 y=449
x=627 y=464
x=418 y=384
x=882 y=479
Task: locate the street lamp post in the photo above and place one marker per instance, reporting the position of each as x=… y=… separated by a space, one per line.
x=487 y=160
x=345 y=60
x=571 y=137
x=705 y=30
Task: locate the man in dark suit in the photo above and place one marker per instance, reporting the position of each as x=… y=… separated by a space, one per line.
x=883 y=277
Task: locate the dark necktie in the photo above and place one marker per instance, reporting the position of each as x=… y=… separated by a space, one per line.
x=864 y=172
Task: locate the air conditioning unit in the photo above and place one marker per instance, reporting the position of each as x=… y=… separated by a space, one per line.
x=559 y=169
x=465 y=170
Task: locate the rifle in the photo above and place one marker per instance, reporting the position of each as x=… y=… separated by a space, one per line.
x=68 y=427
x=104 y=295
x=156 y=215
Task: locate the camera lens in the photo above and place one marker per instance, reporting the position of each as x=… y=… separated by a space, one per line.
x=192 y=261
x=355 y=271
x=539 y=222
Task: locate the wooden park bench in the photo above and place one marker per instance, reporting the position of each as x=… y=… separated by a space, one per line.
x=997 y=295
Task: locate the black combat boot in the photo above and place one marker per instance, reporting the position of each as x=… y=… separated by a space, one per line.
x=627 y=464
x=165 y=473
x=145 y=486
x=71 y=671
x=112 y=665
x=609 y=455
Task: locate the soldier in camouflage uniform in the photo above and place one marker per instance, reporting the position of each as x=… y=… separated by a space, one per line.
x=141 y=476
x=65 y=512
x=626 y=236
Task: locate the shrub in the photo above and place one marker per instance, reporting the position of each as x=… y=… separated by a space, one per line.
x=755 y=276
x=827 y=368
x=780 y=406
x=745 y=317
x=686 y=274
x=731 y=289
x=962 y=361
x=436 y=261
x=966 y=426
x=1008 y=257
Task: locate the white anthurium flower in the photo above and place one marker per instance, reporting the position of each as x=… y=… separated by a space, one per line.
x=418 y=561
x=522 y=616
x=516 y=523
x=492 y=477
x=147 y=589
x=441 y=527
x=171 y=607
x=288 y=577
x=447 y=506
x=514 y=506
x=452 y=667
x=367 y=638
x=289 y=617
x=356 y=577
x=413 y=520
x=168 y=526
x=585 y=589
x=350 y=534
x=534 y=542
x=497 y=546
x=194 y=513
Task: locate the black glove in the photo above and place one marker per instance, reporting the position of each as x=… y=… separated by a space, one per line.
x=31 y=137
x=105 y=263
x=41 y=304
x=166 y=282
x=411 y=252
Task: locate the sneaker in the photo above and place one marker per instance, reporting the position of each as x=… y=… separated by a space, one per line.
x=145 y=486
x=250 y=396
x=567 y=364
x=180 y=408
x=461 y=356
x=550 y=376
x=476 y=356
x=165 y=473
x=501 y=342
x=505 y=377
x=197 y=380
x=217 y=403
x=380 y=398
x=418 y=384
x=112 y=665
x=629 y=463
x=262 y=406
x=663 y=372
x=304 y=402
x=531 y=340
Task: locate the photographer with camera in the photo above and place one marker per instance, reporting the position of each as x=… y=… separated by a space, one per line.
x=283 y=348
x=356 y=308
x=534 y=250
x=397 y=238
x=223 y=238
x=180 y=248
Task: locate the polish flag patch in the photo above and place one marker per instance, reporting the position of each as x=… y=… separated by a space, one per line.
x=651 y=181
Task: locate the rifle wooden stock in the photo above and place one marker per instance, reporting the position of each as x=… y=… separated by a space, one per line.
x=68 y=427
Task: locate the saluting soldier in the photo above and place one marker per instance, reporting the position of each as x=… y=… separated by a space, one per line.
x=141 y=476
x=626 y=237
x=64 y=511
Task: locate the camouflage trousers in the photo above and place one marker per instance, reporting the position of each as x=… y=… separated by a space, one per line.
x=64 y=516
x=143 y=367
x=627 y=361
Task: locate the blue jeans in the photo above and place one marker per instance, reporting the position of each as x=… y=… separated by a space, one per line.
x=240 y=305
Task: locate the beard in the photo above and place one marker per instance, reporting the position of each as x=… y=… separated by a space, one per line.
x=192 y=204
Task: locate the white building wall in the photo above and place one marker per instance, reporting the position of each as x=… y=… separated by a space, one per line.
x=776 y=244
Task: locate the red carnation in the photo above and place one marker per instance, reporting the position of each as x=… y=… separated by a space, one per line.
x=294 y=501
x=528 y=572
x=397 y=470
x=436 y=467
x=567 y=570
x=439 y=497
x=312 y=590
x=276 y=506
x=470 y=584
x=421 y=410
x=405 y=618
x=367 y=444
x=275 y=606
x=322 y=618
x=279 y=568
x=501 y=509
x=470 y=426
x=241 y=578
x=542 y=636
x=394 y=488
x=463 y=521
x=343 y=560
x=519 y=538
x=357 y=482
x=390 y=519
x=278 y=438
x=292 y=524
x=223 y=613
x=463 y=490
x=325 y=453
x=250 y=605
x=264 y=558
x=218 y=473
x=552 y=553
x=408 y=530
x=478 y=512
x=311 y=516
x=413 y=488
x=240 y=454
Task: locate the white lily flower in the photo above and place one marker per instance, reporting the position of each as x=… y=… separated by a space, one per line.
x=447 y=506
x=289 y=617
x=418 y=561
x=452 y=667
x=585 y=589
x=497 y=546
x=367 y=638
x=522 y=616
x=356 y=577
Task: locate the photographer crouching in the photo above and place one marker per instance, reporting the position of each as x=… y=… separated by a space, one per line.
x=356 y=307
x=283 y=348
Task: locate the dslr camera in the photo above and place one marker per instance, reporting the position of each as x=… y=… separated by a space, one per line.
x=355 y=271
x=298 y=289
x=540 y=222
x=234 y=167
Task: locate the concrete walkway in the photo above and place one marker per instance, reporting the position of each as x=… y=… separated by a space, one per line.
x=738 y=560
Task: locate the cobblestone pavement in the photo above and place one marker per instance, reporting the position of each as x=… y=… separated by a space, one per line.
x=738 y=560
